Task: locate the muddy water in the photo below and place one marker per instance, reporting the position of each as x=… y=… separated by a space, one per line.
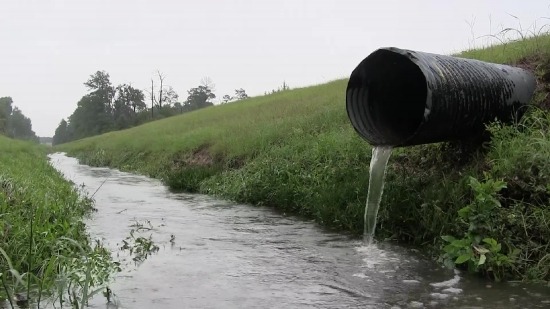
x=226 y=255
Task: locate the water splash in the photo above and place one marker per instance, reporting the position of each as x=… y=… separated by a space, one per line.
x=378 y=163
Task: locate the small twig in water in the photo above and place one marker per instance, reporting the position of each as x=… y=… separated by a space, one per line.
x=101 y=185
x=119 y=212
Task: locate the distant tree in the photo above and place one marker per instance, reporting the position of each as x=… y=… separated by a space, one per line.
x=132 y=97
x=128 y=101
x=163 y=94
x=170 y=96
x=95 y=111
x=200 y=96
x=106 y=108
x=240 y=94
x=103 y=109
x=20 y=127
x=180 y=108
x=122 y=114
x=99 y=83
x=90 y=117
x=227 y=98
x=5 y=113
x=159 y=97
x=61 y=133
x=13 y=123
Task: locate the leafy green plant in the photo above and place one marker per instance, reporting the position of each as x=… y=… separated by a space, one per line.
x=44 y=250
x=139 y=247
x=86 y=274
x=477 y=251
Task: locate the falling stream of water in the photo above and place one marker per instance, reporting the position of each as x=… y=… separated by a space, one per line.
x=377 y=172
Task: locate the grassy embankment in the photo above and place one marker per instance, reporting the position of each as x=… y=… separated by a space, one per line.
x=297 y=151
x=44 y=247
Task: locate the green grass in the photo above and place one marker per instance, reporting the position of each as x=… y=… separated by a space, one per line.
x=510 y=52
x=297 y=151
x=238 y=130
x=42 y=236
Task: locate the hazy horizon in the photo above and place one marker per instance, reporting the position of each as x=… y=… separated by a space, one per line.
x=51 y=47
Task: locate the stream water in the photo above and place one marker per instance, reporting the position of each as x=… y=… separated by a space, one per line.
x=218 y=254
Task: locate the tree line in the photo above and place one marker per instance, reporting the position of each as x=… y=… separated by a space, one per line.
x=107 y=108
x=13 y=123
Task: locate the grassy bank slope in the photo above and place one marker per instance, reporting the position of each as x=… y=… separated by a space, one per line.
x=297 y=151
x=42 y=238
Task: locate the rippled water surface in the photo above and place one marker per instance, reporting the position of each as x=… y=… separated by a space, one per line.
x=227 y=255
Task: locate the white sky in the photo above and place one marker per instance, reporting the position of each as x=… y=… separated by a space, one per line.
x=48 y=48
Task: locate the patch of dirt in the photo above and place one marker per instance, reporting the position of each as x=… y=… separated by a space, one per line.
x=539 y=64
x=529 y=63
x=199 y=157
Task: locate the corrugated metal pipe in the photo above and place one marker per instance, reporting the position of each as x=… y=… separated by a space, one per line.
x=400 y=97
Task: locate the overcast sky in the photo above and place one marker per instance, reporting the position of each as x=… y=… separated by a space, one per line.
x=49 y=48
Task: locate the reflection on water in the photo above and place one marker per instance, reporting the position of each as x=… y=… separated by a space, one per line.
x=225 y=255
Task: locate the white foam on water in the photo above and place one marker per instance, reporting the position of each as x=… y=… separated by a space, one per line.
x=452 y=290
x=449 y=283
x=440 y=295
x=374 y=257
x=416 y=304
x=363 y=276
x=386 y=271
x=411 y=281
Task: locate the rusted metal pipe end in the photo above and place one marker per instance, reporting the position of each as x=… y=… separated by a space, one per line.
x=399 y=97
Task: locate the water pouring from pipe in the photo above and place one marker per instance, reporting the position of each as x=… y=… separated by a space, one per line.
x=398 y=97
x=377 y=174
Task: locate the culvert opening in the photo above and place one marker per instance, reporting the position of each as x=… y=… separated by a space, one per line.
x=386 y=98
